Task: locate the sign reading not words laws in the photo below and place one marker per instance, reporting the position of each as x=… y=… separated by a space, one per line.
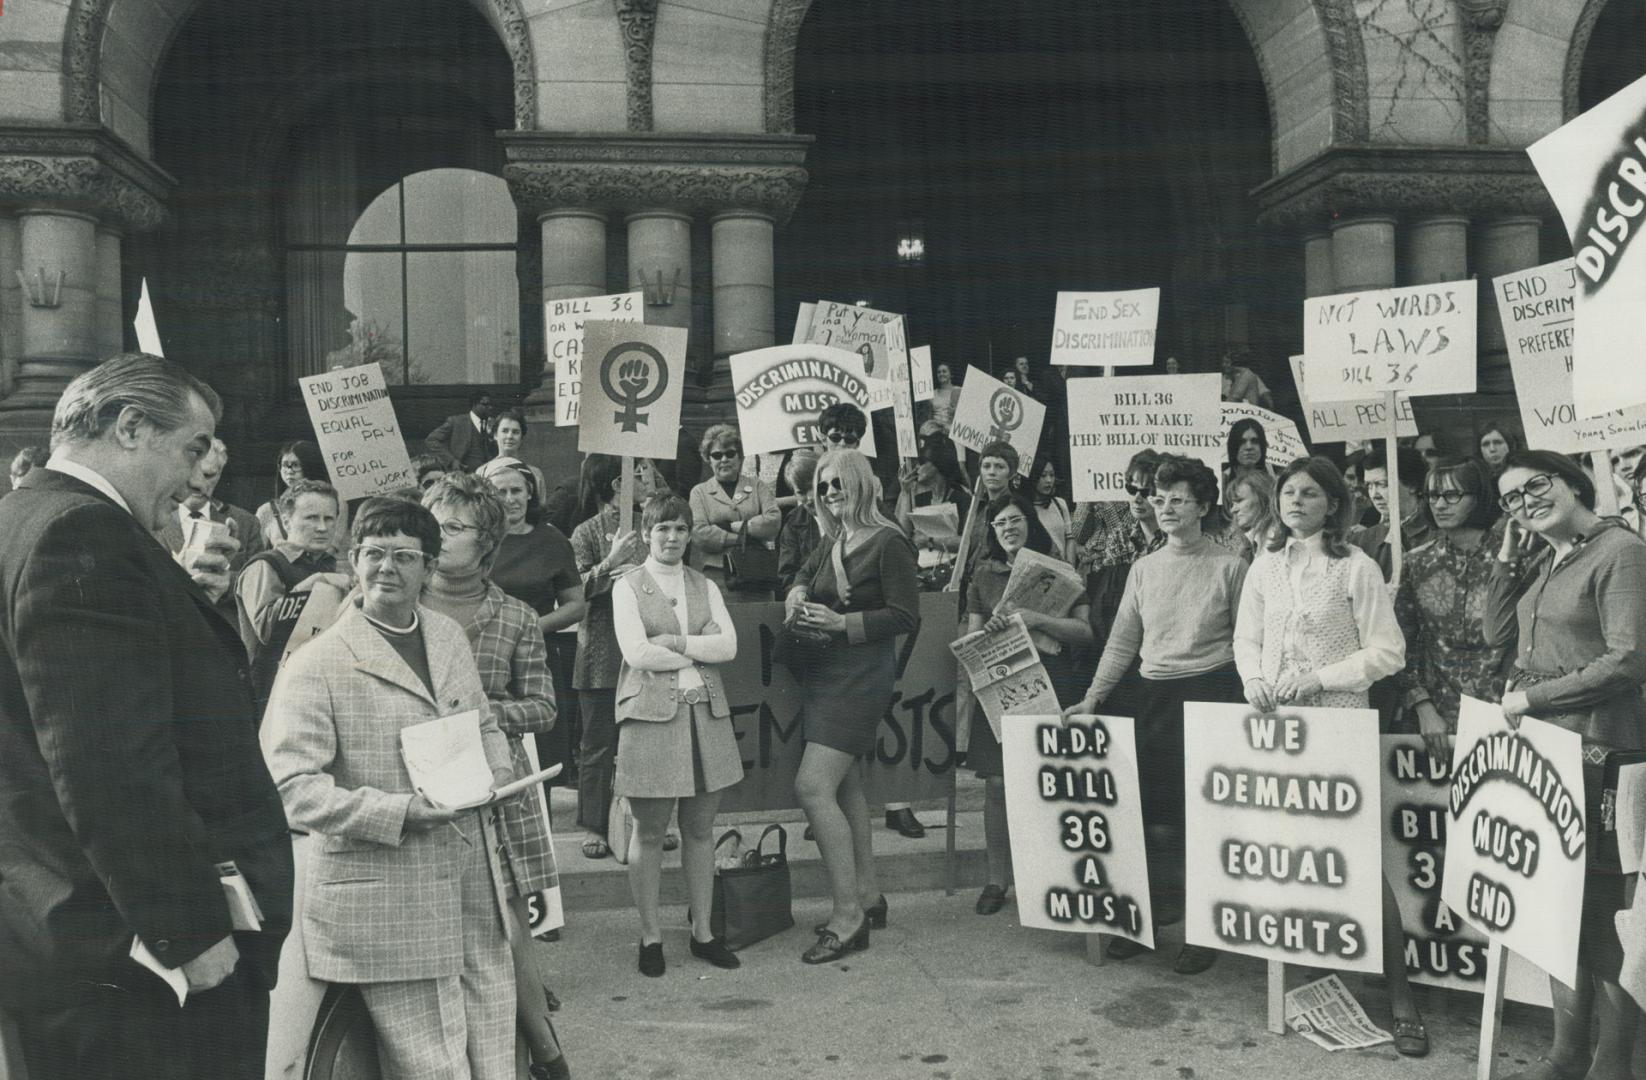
x=1536 y=308
x=637 y=374
x=1283 y=834
x=1441 y=949
x=781 y=390
x=990 y=411
x=1416 y=340
x=359 y=437
x=1106 y=329
x=563 y=340
x=1351 y=421
x=1595 y=170
x=1111 y=419
x=1285 y=444
x=1515 y=866
x=1076 y=825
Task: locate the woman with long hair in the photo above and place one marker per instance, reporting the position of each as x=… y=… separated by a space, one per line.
x=1247 y=450
x=934 y=479
x=1051 y=507
x=1250 y=500
x=1494 y=441
x=859 y=592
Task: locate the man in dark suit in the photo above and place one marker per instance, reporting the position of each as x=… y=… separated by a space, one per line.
x=466 y=438
x=129 y=763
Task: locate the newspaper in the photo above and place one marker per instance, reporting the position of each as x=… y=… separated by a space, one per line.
x=1006 y=674
x=1325 y=1013
x=446 y=760
x=1041 y=583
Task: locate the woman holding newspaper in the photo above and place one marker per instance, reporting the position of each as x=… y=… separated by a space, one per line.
x=1020 y=577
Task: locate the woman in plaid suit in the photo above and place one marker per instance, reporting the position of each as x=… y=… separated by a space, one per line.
x=513 y=663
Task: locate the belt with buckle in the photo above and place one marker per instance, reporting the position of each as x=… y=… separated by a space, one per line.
x=695 y=695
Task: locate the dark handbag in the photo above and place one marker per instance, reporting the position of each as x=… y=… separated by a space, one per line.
x=751 y=568
x=753 y=901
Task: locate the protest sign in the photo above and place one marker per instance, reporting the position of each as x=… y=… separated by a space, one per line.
x=1105 y=329
x=1283 y=834
x=1351 y=421
x=1285 y=444
x=563 y=342
x=1414 y=340
x=359 y=437
x=1111 y=419
x=637 y=374
x=1515 y=867
x=1595 y=170
x=920 y=359
x=1005 y=672
x=913 y=758
x=780 y=392
x=1076 y=825
x=861 y=330
x=1536 y=308
x=1441 y=949
x=802 y=322
x=897 y=356
x=990 y=411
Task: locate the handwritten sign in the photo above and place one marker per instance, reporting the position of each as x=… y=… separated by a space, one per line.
x=1112 y=419
x=1285 y=444
x=858 y=329
x=563 y=341
x=920 y=357
x=1076 y=825
x=990 y=411
x=780 y=392
x=359 y=437
x=1515 y=867
x=1415 y=340
x=1100 y=329
x=1595 y=170
x=1351 y=421
x=897 y=356
x=637 y=374
x=1441 y=949
x=1537 y=309
x=1283 y=832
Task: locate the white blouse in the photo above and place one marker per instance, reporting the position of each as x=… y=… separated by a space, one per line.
x=713 y=648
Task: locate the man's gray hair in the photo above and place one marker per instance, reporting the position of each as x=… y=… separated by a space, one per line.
x=157 y=387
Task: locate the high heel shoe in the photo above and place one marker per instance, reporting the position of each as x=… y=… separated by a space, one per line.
x=875 y=913
x=830 y=947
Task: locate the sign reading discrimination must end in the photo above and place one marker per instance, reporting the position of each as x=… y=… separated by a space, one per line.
x=359 y=437
x=1284 y=826
x=1112 y=419
x=780 y=392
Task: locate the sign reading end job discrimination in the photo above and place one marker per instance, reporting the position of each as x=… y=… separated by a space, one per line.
x=1104 y=329
x=1111 y=419
x=1415 y=340
x=359 y=437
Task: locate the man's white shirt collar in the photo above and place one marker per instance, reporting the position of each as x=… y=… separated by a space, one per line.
x=88 y=476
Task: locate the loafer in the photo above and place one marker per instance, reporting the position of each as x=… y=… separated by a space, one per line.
x=875 y=913
x=1411 y=1038
x=552 y=1070
x=1123 y=948
x=903 y=821
x=830 y=947
x=717 y=952
x=1193 y=959
x=671 y=840
x=990 y=900
x=651 y=959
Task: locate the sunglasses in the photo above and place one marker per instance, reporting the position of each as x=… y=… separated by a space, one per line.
x=1134 y=491
x=724 y=455
x=838 y=438
x=1537 y=486
x=831 y=484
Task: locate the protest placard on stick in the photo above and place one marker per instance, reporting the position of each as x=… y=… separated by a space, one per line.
x=563 y=342
x=990 y=411
x=1112 y=419
x=780 y=391
x=632 y=396
x=359 y=437
x=856 y=329
x=1105 y=329
x=1350 y=421
x=1076 y=825
x=920 y=370
x=1414 y=340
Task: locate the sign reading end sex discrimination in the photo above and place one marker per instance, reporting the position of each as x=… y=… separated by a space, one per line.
x=1416 y=340
x=1111 y=419
x=1106 y=329
x=990 y=411
x=1515 y=867
x=1076 y=825
x=1283 y=834
x=563 y=340
x=1351 y=421
x=359 y=437
x=637 y=374
x=781 y=390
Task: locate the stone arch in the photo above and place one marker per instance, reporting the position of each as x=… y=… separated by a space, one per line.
x=1582 y=30
x=83 y=44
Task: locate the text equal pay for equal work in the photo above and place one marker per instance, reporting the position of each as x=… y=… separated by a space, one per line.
x=1416 y=340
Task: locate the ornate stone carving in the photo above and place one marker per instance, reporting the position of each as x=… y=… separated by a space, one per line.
x=689 y=188
x=81 y=168
x=1351 y=109
x=1578 y=52
x=1479 y=183
x=782 y=35
x=1481 y=19
x=638 y=19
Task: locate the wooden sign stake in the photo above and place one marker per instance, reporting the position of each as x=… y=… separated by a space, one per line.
x=1491 y=1010
x=959 y=567
x=625 y=509
x=1391 y=465
x=1277 y=997
x=1606 y=502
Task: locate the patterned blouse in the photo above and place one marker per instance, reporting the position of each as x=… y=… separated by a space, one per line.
x=1441 y=606
x=598 y=656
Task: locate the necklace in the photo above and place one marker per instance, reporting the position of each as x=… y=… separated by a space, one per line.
x=387 y=629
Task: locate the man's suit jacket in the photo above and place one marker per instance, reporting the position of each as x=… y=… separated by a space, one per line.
x=458 y=440
x=382 y=904
x=129 y=761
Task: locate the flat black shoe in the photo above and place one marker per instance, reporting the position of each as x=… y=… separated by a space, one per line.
x=809 y=834
x=716 y=952
x=903 y=821
x=651 y=959
x=875 y=913
x=990 y=900
x=1193 y=959
x=829 y=947
x=552 y=1070
x=1123 y=948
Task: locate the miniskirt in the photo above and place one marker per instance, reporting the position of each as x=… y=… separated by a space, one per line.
x=691 y=754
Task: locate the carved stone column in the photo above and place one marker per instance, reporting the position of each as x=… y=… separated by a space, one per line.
x=1505 y=244
x=744 y=318
x=59 y=256
x=11 y=302
x=1317 y=265
x=111 y=322
x=574 y=264
x=1436 y=249
x=660 y=264
x=1363 y=253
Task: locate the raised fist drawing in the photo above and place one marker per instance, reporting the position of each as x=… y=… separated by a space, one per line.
x=633 y=376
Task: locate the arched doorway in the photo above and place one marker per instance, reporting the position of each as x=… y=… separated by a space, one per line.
x=1615 y=52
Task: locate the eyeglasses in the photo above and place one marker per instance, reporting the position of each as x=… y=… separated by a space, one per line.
x=840 y=438
x=404 y=558
x=1450 y=498
x=1175 y=502
x=1008 y=522
x=831 y=484
x=1134 y=491
x=724 y=455
x=1537 y=486
x=455 y=528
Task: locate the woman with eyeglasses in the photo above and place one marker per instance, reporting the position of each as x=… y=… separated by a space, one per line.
x=1441 y=601
x=1177 y=615
x=1111 y=536
x=842 y=427
x=1575 y=612
x=859 y=591
x=730 y=511
x=1013 y=527
x=514 y=670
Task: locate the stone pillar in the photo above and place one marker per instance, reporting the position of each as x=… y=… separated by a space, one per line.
x=660 y=264
x=1503 y=245
x=1363 y=253
x=1317 y=265
x=1436 y=249
x=744 y=318
x=11 y=302
x=111 y=323
x=59 y=341
x=574 y=264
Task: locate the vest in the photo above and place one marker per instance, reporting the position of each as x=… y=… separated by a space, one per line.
x=266 y=663
x=655 y=695
x=1321 y=633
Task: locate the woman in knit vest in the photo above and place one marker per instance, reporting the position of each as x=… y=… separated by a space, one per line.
x=1316 y=629
x=676 y=739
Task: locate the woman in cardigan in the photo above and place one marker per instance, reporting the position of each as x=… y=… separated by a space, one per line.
x=1178 y=613
x=859 y=589
x=1579 y=609
x=677 y=743
x=1317 y=628
x=514 y=670
x=730 y=510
